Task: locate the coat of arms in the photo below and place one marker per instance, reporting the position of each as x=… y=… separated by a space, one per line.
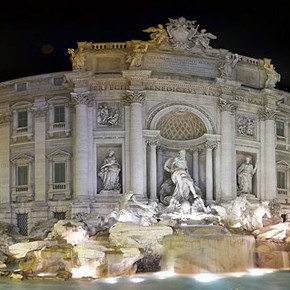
x=181 y=32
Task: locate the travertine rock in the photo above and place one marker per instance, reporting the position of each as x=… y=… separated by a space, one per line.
x=20 y=250
x=132 y=235
x=272 y=255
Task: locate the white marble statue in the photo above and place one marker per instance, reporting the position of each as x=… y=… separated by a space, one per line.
x=184 y=189
x=226 y=68
x=138 y=213
x=240 y=213
x=245 y=176
x=109 y=172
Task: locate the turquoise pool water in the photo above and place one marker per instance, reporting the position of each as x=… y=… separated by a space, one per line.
x=270 y=281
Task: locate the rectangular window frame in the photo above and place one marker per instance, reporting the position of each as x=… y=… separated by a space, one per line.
x=22 y=119
x=280 y=129
x=281 y=179
x=22 y=175
x=59 y=170
x=59 y=114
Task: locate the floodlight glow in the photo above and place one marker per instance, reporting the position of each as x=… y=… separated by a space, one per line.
x=112 y=280
x=137 y=280
x=206 y=277
x=256 y=272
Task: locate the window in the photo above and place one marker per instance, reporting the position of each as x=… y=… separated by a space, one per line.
x=58 y=81
x=22 y=178
x=59 y=186
x=280 y=129
x=59 y=114
x=281 y=179
x=21 y=87
x=22 y=223
x=22 y=119
x=22 y=175
x=59 y=215
x=59 y=172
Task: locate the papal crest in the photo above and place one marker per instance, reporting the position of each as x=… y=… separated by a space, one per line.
x=181 y=32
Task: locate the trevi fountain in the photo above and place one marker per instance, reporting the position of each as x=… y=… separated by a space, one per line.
x=161 y=168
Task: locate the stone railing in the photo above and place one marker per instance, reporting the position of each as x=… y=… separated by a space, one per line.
x=109 y=45
x=59 y=186
x=59 y=191
x=249 y=60
x=59 y=125
x=281 y=191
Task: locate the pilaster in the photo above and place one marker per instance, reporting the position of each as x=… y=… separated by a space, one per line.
x=5 y=116
x=39 y=111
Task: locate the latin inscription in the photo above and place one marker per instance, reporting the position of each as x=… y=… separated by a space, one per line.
x=184 y=65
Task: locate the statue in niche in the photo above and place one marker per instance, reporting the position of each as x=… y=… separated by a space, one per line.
x=226 y=68
x=109 y=172
x=245 y=176
x=184 y=189
x=108 y=116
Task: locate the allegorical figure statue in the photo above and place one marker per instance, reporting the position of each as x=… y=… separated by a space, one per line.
x=245 y=173
x=184 y=185
x=109 y=172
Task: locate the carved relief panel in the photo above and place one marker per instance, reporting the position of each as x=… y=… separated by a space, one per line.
x=246 y=126
x=108 y=115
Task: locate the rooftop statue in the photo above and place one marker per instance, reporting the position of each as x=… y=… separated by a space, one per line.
x=272 y=76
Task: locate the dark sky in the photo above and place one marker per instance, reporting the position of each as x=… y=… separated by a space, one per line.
x=35 y=35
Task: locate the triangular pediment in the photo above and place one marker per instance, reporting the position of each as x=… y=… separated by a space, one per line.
x=22 y=156
x=283 y=163
x=58 y=154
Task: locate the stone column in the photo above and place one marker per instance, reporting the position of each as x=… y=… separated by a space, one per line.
x=152 y=169
x=267 y=118
x=209 y=146
x=5 y=158
x=40 y=112
x=91 y=168
x=195 y=165
x=80 y=171
x=227 y=150
x=136 y=98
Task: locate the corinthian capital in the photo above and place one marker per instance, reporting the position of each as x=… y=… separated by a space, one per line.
x=267 y=114
x=225 y=105
x=82 y=98
x=4 y=117
x=134 y=97
x=39 y=112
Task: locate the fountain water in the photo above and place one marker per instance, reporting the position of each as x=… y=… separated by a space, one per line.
x=207 y=249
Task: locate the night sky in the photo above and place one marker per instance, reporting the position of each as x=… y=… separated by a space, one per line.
x=35 y=35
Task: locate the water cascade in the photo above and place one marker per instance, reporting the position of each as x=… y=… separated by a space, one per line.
x=207 y=249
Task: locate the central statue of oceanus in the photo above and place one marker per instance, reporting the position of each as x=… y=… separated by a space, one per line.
x=180 y=187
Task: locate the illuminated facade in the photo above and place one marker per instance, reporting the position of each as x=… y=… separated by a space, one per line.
x=144 y=101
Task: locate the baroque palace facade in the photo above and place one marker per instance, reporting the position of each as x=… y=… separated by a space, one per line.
x=72 y=142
